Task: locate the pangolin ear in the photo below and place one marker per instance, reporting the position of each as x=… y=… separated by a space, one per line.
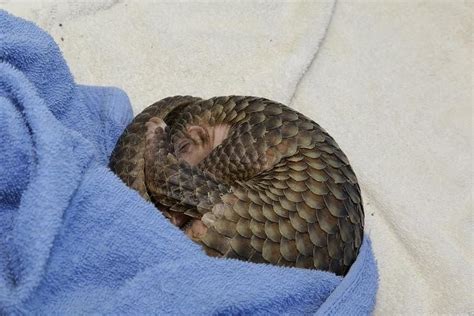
x=198 y=134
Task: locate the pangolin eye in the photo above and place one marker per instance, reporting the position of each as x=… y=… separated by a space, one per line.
x=183 y=147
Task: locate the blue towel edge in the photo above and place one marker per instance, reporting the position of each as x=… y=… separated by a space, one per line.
x=340 y=302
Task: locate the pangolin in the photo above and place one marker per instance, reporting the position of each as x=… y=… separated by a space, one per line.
x=247 y=178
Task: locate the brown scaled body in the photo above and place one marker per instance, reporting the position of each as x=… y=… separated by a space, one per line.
x=247 y=178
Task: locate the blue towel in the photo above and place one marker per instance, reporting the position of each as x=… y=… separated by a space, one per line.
x=75 y=239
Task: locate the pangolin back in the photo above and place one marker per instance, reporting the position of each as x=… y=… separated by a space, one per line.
x=285 y=191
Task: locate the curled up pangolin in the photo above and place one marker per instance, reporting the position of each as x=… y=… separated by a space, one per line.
x=246 y=178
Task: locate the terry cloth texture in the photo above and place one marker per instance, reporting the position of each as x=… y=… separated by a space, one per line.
x=75 y=239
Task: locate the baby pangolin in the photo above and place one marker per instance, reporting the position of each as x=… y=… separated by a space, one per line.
x=246 y=178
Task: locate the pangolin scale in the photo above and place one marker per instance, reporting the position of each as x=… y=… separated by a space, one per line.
x=279 y=188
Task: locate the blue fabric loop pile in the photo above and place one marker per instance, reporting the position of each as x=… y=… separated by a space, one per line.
x=75 y=239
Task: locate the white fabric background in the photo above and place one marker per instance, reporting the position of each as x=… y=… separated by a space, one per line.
x=392 y=82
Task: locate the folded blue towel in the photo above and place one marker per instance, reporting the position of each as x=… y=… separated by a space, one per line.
x=75 y=239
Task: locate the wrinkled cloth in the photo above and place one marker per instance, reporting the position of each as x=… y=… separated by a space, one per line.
x=75 y=239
